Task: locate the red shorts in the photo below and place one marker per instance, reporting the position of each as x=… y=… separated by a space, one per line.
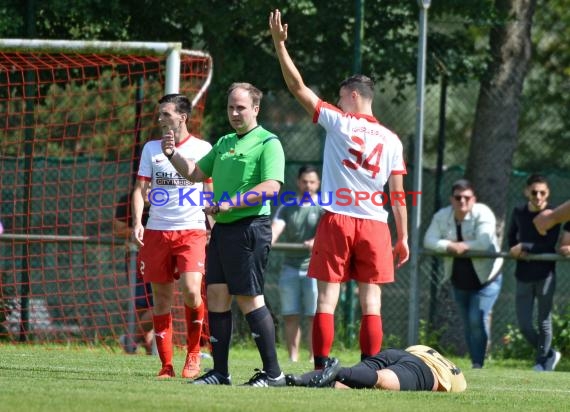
x=168 y=253
x=350 y=248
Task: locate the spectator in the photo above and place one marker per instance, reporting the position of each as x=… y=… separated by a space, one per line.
x=418 y=368
x=297 y=224
x=353 y=240
x=466 y=226
x=535 y=279
x=174 y=240
x=143 y=294
x=248 y=167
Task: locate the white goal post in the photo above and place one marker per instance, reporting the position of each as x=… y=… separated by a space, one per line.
x=172 y=51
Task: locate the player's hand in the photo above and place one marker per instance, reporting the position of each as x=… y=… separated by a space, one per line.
x=167 y=144
x=278 y=30
x=400 y=253
x=543 y=222
x=137 y=236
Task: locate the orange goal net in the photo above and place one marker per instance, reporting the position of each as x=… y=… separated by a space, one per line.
x=74 y=118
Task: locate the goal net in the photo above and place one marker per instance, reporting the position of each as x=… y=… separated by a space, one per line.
x=74 y=118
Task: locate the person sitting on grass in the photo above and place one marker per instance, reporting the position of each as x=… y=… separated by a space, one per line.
x=418 y=368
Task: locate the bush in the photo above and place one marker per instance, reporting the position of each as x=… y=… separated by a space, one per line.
x=515 y=346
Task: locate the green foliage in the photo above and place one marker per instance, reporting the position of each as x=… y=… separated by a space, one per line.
x=429 y=336
x=515 y=346
x=321 y=36
x=321 y=40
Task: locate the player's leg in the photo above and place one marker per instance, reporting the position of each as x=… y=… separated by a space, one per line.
x=309 y=299
x=371 y=332
x=163 y=295
x=145 y=334
x=190 y=283
x=156 y=267
x=143 y=305
x=219 y=310
x=372 y=267
x=330 y=261
x=323 y=322
x=189 y=249
x=247 y=284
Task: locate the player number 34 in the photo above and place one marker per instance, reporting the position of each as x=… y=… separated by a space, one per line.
x=370 y=162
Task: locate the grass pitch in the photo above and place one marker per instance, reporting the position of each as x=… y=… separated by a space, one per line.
x=58 y=378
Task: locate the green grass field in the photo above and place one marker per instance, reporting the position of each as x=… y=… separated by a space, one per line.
x=57 y=378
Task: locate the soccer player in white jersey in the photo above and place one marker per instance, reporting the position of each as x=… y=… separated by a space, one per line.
x=353 y=239
x=174 y=240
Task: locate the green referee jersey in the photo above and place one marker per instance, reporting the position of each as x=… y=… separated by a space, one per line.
x=238 y=164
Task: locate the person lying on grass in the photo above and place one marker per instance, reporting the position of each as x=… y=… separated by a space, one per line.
x=418 y=368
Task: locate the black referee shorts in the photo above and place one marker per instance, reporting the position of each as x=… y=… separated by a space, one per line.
x=237 y=255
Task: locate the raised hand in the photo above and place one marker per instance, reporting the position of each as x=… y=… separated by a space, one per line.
x=278 y=30
x=167 y=144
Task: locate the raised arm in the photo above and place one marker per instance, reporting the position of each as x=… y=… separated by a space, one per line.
x=186 y=167
x=305 y=96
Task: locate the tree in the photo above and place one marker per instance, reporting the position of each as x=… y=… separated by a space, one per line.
x=495 y=129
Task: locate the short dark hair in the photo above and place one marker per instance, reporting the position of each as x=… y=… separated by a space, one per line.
x=307 y=169
x=255 y=94
x=364 y=85
x=181 y=102
x=462 y=184
x=536 y=178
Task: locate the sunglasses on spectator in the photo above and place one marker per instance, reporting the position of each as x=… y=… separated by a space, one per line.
x=459 y=198
x=537 y=192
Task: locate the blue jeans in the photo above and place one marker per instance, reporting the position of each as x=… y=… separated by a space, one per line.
x=475 y=308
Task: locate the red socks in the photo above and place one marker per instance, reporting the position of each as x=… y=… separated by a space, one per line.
x=370 y=334
x=194 y=322
x=163 y=335
x=323 y=334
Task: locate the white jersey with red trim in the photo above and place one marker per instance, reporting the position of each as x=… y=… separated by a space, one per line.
x=360 y=155
x=176 y=204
